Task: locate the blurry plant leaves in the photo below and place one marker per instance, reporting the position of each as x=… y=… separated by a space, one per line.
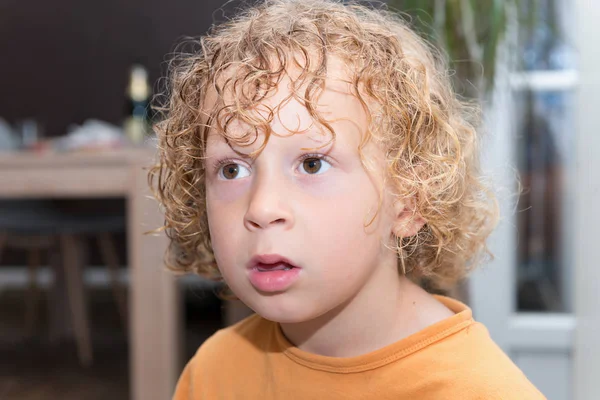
x=493 y=33
x=469 y=36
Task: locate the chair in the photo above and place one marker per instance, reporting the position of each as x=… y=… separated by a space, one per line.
x=36 y=226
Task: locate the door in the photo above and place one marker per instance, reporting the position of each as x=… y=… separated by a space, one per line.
x=540 y=296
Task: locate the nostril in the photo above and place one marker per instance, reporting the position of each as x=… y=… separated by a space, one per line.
x=254 y=224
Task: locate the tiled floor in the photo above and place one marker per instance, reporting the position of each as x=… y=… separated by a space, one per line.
x=35 y=369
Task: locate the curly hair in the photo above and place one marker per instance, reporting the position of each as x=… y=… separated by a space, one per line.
x=427 y=131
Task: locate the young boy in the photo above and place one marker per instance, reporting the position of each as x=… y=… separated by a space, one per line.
x=314 y=157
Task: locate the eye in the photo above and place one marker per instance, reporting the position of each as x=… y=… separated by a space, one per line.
x=231 y=171
x=314 y=165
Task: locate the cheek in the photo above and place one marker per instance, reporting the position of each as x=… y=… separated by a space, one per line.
x=225 y=193
x=224 y=202
x=223 y=241
x=220 y=207
x=340 y=219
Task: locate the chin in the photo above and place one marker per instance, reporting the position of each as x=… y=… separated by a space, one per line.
x=282 y=312
x=283 y=318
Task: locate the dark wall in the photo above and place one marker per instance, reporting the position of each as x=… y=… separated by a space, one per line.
x=64 y=61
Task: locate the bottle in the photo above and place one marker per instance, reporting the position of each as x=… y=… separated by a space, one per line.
x=137 y=121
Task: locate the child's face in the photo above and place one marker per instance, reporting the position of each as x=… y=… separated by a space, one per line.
x=311 y=212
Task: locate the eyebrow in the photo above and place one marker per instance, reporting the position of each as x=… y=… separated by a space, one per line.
x=312 y=135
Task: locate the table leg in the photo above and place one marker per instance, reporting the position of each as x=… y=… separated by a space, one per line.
x=156 y=340
x=59 y=318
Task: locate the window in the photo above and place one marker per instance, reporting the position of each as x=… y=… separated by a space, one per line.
x=543 y=92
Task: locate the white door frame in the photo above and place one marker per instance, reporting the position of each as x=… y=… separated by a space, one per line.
x=587 y=200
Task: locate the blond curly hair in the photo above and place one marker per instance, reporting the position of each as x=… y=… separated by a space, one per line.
x=428 y=132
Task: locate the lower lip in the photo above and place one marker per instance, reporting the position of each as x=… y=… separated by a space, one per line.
x=273 y=281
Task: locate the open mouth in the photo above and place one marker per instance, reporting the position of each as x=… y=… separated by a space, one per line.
x=274 y=267
x=271 y=262
x=272 y=273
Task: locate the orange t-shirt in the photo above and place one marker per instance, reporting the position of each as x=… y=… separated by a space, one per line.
x=452 y=359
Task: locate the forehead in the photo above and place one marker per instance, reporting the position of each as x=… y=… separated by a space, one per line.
x=285 y=110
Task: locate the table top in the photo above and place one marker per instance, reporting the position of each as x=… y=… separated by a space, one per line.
x=111 y=157
x=72 y=175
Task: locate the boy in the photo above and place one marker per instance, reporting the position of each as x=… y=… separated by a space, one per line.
x=314 y=157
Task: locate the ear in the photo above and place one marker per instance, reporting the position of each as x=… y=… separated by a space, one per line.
x=407 y=220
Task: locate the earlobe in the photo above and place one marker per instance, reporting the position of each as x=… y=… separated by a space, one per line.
x=408 y=221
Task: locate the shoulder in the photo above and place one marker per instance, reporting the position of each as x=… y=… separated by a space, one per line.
x=464 y=362
x=472 y=366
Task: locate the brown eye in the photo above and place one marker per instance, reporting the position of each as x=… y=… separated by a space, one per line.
x=312 y=165
x=233 y=171
x=230 y=171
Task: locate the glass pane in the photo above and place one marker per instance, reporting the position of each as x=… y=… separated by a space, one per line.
x=546 y=141
x=546 y=35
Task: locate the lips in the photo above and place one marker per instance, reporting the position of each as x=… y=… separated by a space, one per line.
x=272 y=273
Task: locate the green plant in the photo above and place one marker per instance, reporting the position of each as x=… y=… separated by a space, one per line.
x=469 y=31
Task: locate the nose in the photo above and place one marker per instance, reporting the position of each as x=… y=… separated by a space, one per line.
x=268 y=205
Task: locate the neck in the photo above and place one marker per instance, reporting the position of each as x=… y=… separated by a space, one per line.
x=382 y=313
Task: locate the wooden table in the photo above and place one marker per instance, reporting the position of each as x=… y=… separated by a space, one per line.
x=154 y=307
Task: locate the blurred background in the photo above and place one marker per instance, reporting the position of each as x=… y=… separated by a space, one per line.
x=86 y=310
